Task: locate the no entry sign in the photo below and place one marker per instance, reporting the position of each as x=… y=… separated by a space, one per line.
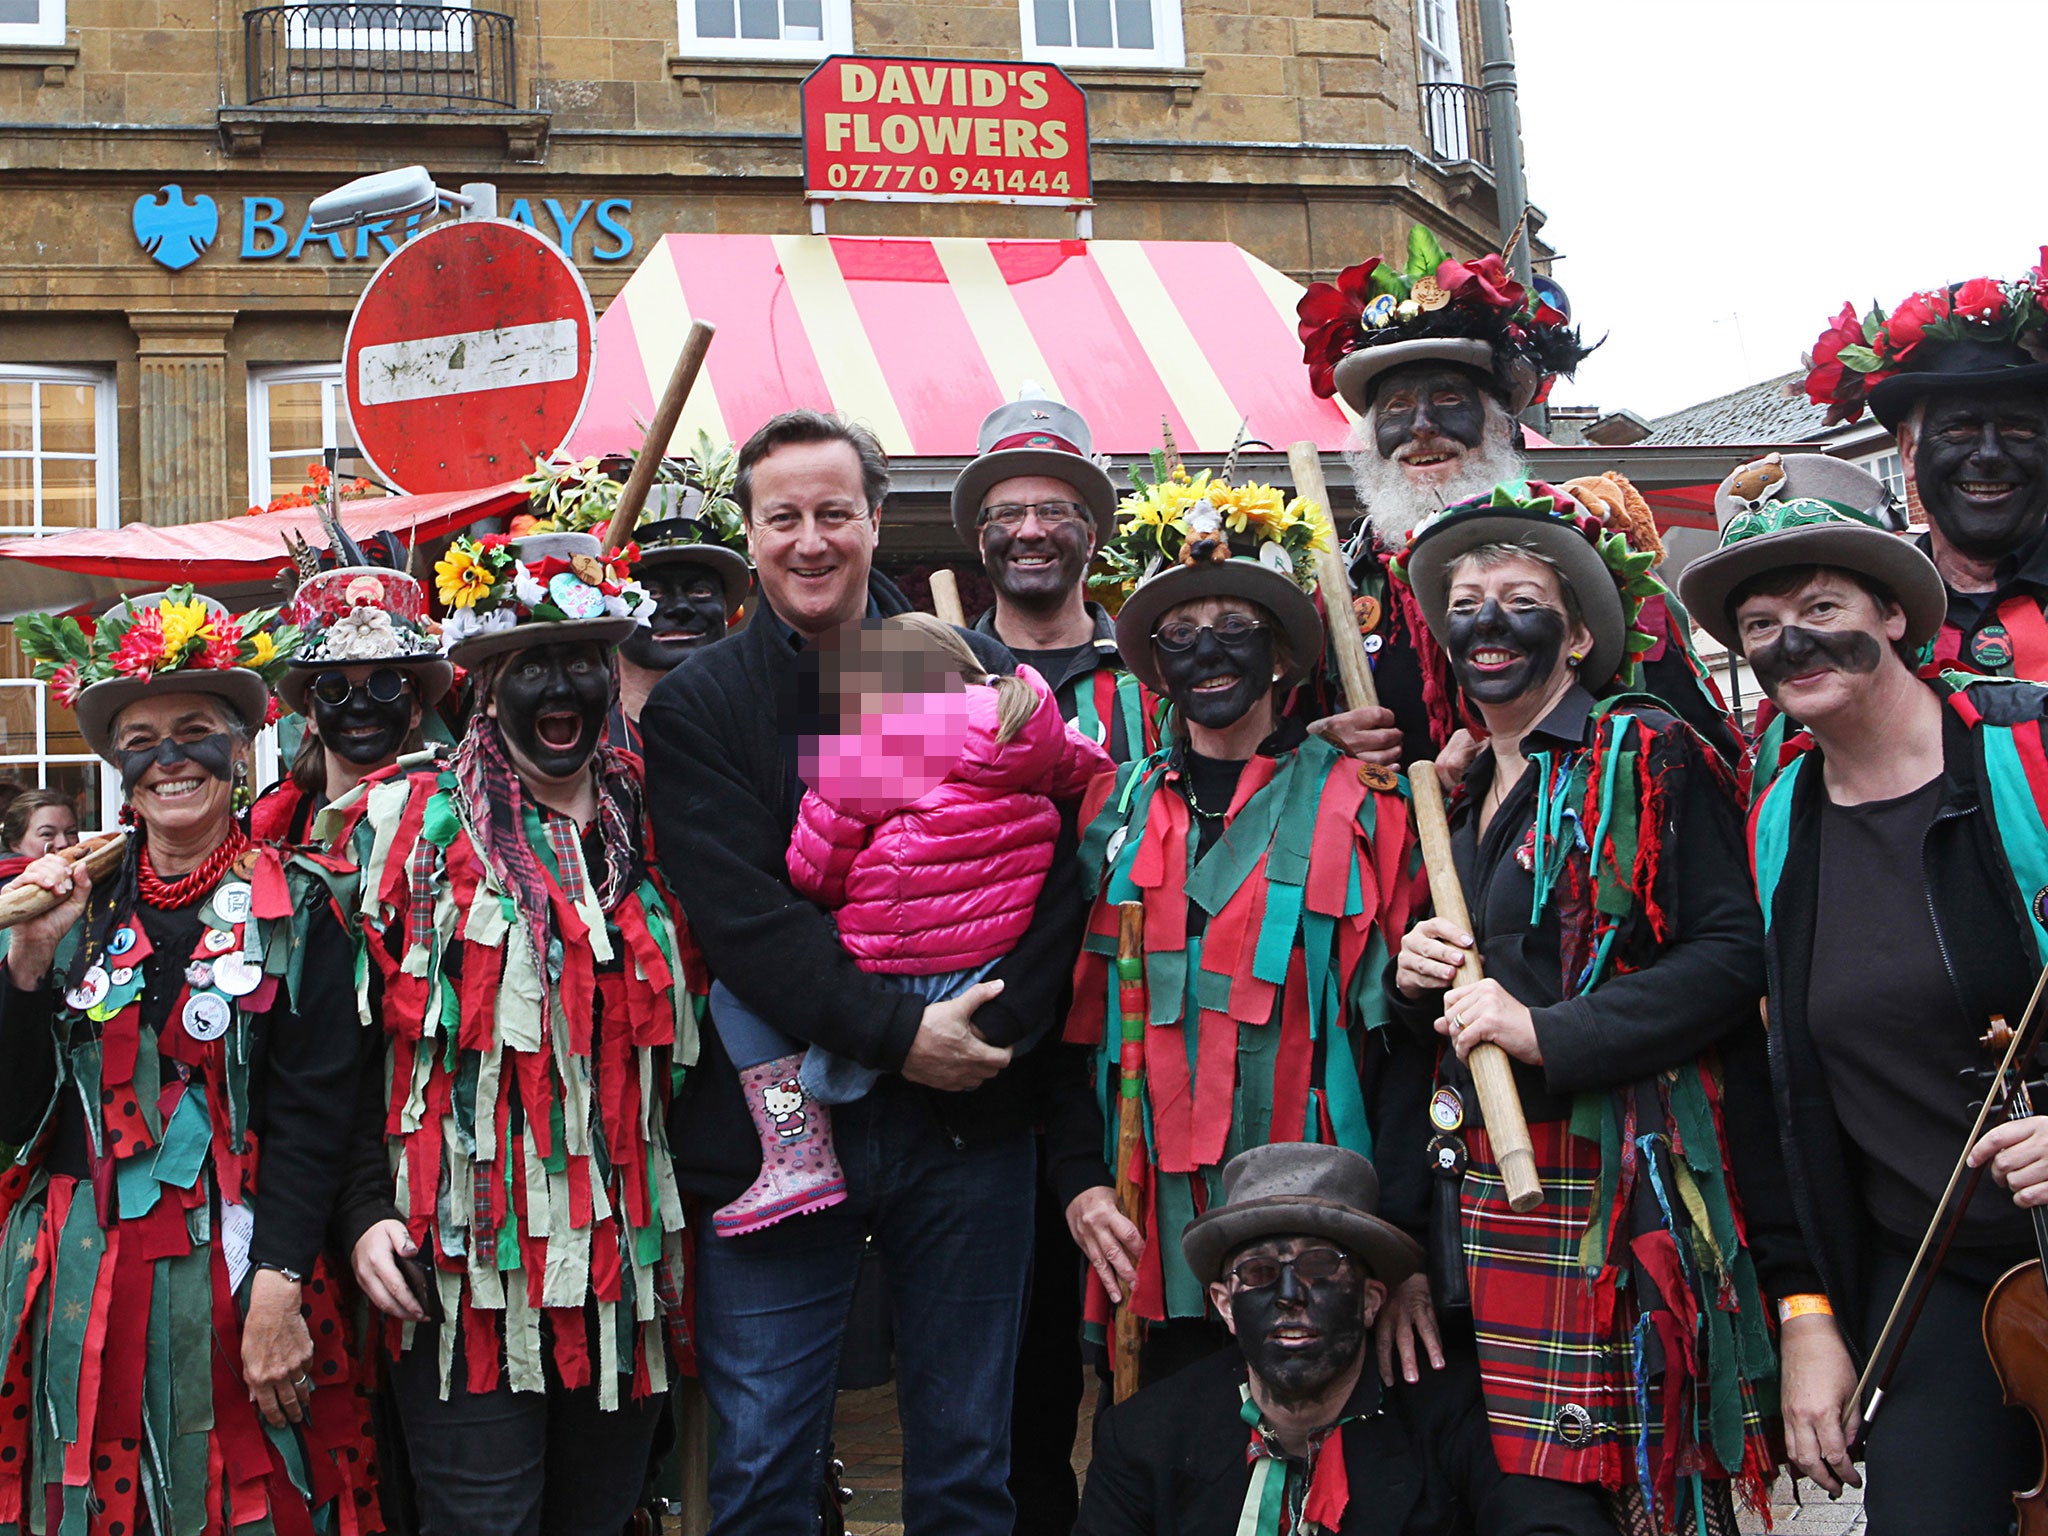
x=945 y=131
x=468 y=356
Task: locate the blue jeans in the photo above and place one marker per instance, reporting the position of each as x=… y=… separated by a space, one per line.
x=952 y=1226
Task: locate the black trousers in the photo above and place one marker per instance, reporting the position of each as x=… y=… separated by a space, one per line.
x=1945 y=1454
x=1046 y=1399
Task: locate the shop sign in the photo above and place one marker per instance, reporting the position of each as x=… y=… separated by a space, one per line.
x=945 y=131
x=175 y=229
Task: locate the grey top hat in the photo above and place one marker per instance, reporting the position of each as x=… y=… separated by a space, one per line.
x=1300 y=1189
x=1803 y=477
x=1033 y=435
x=1240 y=576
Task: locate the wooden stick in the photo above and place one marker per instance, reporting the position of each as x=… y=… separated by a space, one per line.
x=659 y=431
x=1130 y=1121
x=1347 y=646
x=946 y=597
x=1492 y=1073
x=24 y=903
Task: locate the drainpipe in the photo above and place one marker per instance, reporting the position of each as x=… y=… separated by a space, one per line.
x=1505 y=124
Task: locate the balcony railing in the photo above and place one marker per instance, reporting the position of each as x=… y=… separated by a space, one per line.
x=378 y=55
x=1456 y=124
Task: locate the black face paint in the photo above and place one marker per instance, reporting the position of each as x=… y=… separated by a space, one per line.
x=689 y=613
x=552 y=701
x=1980 y=466
x=1331 y=1318
x=1534 y=636
x=1065 y=548
x=1249 y=660
x=1795 y=651
x=362 y=731
x=1427 y=401
x=215 y=753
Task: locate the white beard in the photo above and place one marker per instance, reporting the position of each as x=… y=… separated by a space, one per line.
x=1395 y=497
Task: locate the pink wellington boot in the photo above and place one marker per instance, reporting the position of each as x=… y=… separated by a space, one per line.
x=800 y=1172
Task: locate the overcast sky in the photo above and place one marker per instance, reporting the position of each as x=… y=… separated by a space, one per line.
x=1720 y=175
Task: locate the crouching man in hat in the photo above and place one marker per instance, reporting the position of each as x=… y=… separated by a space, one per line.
x=1293 y=1431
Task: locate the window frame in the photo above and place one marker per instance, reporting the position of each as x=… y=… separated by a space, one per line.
x=837 y=30
x=46 y=31
x=332 y=412
x=396 y=39
x=1169 y=48
x=1429 y=54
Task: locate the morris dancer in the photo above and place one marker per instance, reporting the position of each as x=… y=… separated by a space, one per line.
x=1438 y=357
x=538 y=991
x=1269 y=873
x=1959 y=375
x=369 y=668
x=1621 y=1332
x=1899 y=859
x=179 y=1055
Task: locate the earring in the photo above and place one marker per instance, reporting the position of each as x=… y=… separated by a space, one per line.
x=241 y=798
x=127 y=815
x=1574 y=660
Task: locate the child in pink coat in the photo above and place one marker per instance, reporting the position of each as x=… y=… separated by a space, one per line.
x=926 y=830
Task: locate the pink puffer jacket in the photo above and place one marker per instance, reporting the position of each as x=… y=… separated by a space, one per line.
x=942 y=875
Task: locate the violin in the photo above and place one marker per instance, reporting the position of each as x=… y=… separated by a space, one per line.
x=2016 y=1321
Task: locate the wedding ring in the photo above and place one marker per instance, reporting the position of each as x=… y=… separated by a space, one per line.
x=304 y=1383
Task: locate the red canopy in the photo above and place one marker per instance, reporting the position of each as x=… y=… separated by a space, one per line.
x=236 y=559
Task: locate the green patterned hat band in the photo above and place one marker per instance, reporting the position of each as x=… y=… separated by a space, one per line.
x=1784 y=516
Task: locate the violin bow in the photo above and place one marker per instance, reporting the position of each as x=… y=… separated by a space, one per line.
x=1948 y=1219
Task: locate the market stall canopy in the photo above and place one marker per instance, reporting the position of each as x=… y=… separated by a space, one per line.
x=920 y=339
x=236 y=559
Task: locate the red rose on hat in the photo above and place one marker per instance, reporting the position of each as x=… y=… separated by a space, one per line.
x=1329 y=325
x=1829 y=380
x=1908 y=324
x=1981 y=299
x=1481 y=281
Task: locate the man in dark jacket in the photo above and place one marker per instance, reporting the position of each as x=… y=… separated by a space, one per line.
x=938 y=1157
x=1294 y=1430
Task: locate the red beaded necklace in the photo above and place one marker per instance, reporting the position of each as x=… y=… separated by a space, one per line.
x=170 y=895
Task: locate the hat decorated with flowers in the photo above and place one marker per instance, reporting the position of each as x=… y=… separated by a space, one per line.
x=363 y=615
x=175 y=641
x=690 y=517
x=1610 y=579
x=1807 y=530
x=504 y=594
x=1180 y=537
x=1433 y=308
x=1973 y=336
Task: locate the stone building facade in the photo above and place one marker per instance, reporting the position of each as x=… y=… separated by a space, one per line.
x=170 y=331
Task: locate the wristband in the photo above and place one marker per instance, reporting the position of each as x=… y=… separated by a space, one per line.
x=1790 y=1307
x=290 y=1274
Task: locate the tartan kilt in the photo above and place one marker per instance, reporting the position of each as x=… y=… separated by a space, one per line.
x=1562 y=1398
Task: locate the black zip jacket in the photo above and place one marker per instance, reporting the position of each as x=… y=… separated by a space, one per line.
x=721 y=734
x=1982 y=929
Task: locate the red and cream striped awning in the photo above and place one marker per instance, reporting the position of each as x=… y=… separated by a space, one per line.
x=920 y=339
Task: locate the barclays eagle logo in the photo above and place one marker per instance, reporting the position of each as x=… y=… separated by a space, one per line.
x=173 y=231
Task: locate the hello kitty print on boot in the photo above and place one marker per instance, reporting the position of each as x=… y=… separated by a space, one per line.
x=800 y=1171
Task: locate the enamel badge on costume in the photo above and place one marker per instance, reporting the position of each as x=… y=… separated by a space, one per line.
x=198 y=974
x=122 y=941
x=2041 y=905
x=1116 y=845
x=122 y=975
x=207 y=1015
x=1574 y=1424
x=1373 y=643
x=231 y=902
x=1991 y=646
x=1447 y=1155
x=1446 y=1109
x=90 y=991
x=237 y=975
x=217 y=941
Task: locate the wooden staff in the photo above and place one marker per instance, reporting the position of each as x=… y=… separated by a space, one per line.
x=663 y=427
x=1347 y=646
x=23 y=903
x=1492 y=1073
x=1130 y=1120
x=946 y=597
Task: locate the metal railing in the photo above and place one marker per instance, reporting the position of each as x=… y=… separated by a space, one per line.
x=1456 y=124
x=378 y=54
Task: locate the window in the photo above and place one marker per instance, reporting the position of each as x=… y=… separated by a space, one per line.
x=57 y=472
x=1104 y=34
x=296 y=414
x=445 y=26
x=1442 y=61
x=1888 y=468
x=32 y=23
x=765 y=29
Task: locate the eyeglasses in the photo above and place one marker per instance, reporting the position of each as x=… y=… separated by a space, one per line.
x=1182 y=634
x=1312 y=1265
x=386 y=685
x=1010 y=515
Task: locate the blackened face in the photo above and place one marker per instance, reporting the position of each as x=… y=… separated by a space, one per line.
x=550 y=702
x=1217 y=680
x=1980 y=465
x=1428 y=414
x=1299 y=1338
x=362 y=730
x=1036 y=564
x=1816 y=650
x=689 y=613
x=1505 y=629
